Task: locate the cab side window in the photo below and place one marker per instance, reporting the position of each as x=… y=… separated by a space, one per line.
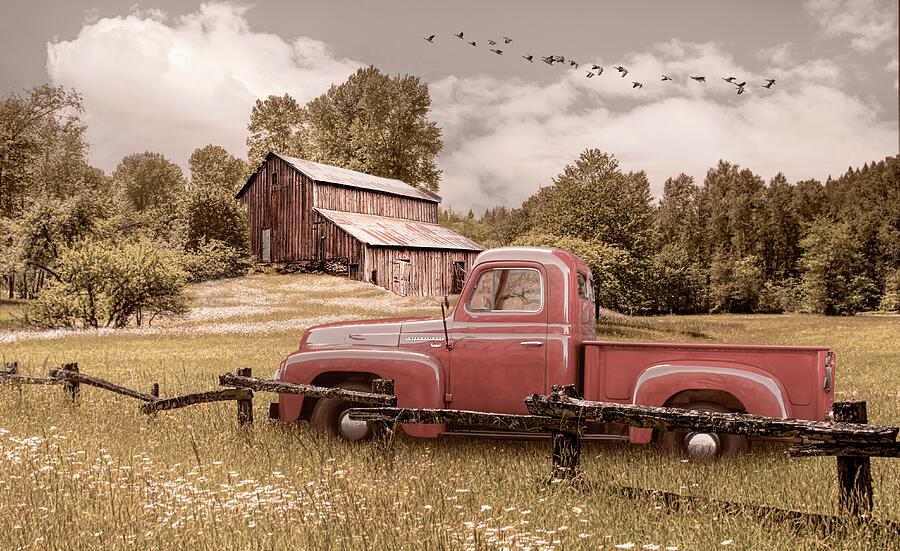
x=507 y=289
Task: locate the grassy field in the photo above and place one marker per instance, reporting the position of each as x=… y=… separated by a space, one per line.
x=103 y=476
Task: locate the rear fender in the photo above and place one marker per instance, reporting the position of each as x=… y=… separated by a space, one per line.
x=758 y=391
x=418 y=378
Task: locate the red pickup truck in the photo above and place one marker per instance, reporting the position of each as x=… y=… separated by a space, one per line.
x=525 y=320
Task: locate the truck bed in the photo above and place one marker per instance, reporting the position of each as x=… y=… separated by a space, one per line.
x=624 y=372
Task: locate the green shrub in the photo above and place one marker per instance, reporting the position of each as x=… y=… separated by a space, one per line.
x=213 y=215
x=778 y=297
x=110 y=283
x=214 y=259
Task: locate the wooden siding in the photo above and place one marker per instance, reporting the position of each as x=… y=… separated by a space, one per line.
x=430 y=271
x=347 y=199
x=298 y=233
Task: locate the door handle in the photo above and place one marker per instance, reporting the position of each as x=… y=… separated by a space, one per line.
x=532 y=343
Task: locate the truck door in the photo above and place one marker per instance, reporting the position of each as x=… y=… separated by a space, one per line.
x=499 y=352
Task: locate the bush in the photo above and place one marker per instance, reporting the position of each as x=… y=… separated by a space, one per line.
x=213 y=215
x=110 y=283
x=778 y=297
x=214 y=259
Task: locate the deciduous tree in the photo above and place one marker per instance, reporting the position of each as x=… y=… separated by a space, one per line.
x=376 y=124
x=275 y=125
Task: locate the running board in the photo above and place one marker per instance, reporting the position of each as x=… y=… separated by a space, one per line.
x=531 y=436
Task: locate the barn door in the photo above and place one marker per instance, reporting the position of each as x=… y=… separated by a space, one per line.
x=459 y=277
x=401 y=275
x=318 y=240
x=267 y=246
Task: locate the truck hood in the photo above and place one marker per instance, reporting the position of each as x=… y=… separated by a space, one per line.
x=384 y=332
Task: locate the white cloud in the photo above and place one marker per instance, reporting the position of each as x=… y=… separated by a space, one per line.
x=173 y=87
x=780 y=55
x=870 y=23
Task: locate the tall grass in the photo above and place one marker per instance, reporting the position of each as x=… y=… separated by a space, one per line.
x=100 y=475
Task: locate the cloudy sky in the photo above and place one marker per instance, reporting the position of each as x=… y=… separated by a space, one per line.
x=171 y=76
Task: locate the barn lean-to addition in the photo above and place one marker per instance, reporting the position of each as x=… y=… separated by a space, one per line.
x=384 y=231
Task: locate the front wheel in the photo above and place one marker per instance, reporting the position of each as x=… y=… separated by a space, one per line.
x=332 y=415
x=703 y=445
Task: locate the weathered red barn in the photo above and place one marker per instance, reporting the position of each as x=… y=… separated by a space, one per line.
x=383 y=230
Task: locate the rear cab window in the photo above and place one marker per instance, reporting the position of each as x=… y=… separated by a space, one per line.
x=585 y=289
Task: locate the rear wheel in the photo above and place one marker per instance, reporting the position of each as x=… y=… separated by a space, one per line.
x=332 y=415
x=703 y=445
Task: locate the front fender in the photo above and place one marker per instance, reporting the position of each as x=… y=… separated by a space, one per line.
x=418 y=378
x=758 y=391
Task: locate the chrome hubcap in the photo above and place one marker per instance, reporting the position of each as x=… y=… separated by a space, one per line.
x=702 y=445
x=350 y=429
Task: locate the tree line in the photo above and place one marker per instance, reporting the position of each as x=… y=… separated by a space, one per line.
x=733 y=243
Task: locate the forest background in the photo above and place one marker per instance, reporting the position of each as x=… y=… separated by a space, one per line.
x=83 y=248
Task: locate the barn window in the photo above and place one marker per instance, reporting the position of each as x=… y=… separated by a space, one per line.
x=274 y=182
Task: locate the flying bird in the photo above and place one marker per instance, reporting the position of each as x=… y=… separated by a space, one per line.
x=429 y=38
x=498 y=52
x=599 y=71
x=548 y=60
x=622 y=70
x=636 y=85
x=529 y=58
x=507 y=40
x=589 y=75
x=492 y=43
x=460 y=35
x=740 y=84
x=559 y=59
x=699 y=78
x=769 y=83
x=573 y=63
x=729 y=80
x=664 y=77
x=473 y=43
x=740 y=90
x=595 y=67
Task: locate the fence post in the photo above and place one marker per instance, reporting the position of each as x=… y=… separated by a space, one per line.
x=566 y=452
x=383 y=428
x=854 y=473
x=566 y=445
x=154 y=389
x=11 y=368
x=71 y=388
x=244 y=407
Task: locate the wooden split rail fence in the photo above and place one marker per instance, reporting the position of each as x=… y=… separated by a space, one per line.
x=562 y=413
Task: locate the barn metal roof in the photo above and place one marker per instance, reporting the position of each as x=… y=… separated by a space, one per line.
x=381 y=231
x=344 y=177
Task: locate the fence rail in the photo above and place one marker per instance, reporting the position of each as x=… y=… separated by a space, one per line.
x=561 y=404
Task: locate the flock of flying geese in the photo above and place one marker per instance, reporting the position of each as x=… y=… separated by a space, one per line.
x=551 y=59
